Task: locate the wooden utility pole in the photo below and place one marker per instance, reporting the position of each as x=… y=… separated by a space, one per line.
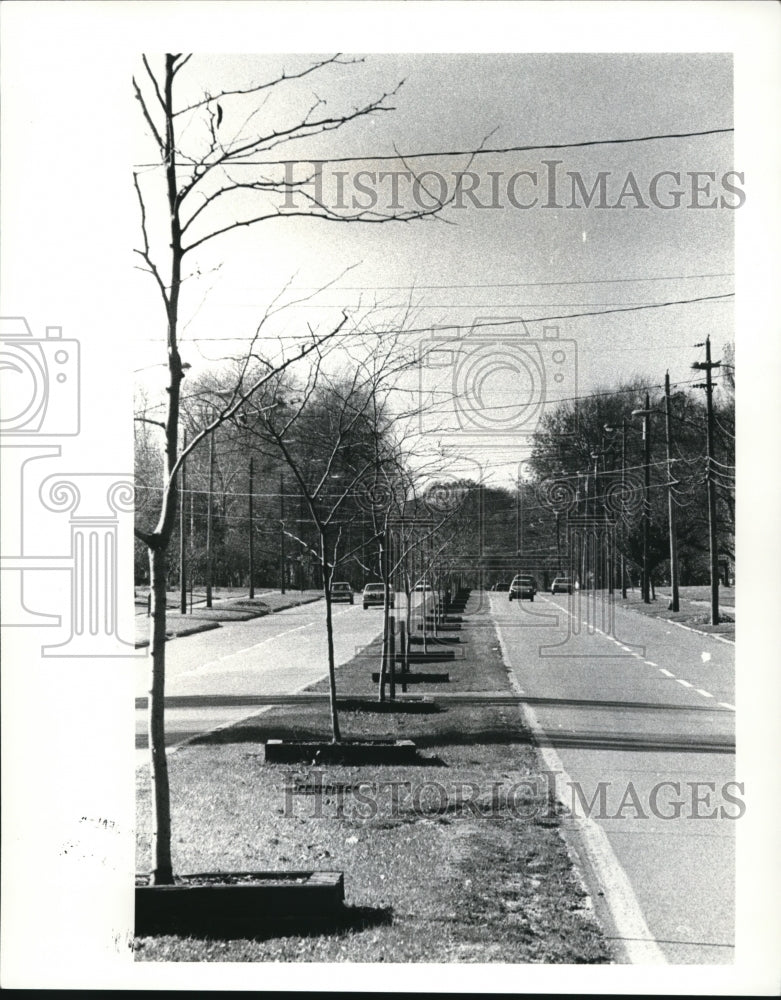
x=183 y=536
x=646 y=499
x=645 y=414
x=209 y=514
x=675 y=602
x=623 y=494
x=707 y=366
x=251 y=532
x=282 y=532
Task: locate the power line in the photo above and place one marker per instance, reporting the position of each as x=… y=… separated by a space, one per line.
x=476 y=325
x=518 y=284
x=495 y=151
x=504 y=406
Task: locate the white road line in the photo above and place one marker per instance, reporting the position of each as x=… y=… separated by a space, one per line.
x=665 y=672
x=686 y=684
x=720 y=638
x=726 y=704
x=633 y=932
x=651 y=663
x=705 y=694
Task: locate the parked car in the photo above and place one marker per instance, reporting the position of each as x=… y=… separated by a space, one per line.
x=502 y=586
x=422 y=586
x=374 y=596
x=523 y=587
x=342 y=592
x=561 y=585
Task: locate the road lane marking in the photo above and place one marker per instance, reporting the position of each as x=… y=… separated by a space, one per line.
x=712 y=635
x=706 y=657
x=726 y=704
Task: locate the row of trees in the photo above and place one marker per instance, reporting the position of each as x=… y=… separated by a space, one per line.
x=590 y=458
x=328 y=455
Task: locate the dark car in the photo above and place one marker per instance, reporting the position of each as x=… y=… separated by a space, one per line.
x=342 y=592
x=561 y=585
x=523 y=588
x=374 y=596
x=502 y=586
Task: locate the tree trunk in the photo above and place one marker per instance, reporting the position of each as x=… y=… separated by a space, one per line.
x=329 y=628
x=162 y=871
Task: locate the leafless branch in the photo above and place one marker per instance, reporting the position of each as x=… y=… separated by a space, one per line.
x=256 y=88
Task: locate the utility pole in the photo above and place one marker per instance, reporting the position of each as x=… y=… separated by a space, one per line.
x=182 y=535
x=674 y=603
x=645 y=414
x=251 y=533
x=623 y=494
x=707 y=366
x=282 y=532
x=209 y=514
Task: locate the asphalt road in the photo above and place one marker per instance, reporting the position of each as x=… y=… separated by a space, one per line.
x=638 y=714
x=277 y=654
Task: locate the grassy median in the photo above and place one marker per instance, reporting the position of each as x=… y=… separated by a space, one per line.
x=456 y=858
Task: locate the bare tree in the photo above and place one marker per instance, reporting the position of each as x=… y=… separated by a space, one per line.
x=332 y=437
x=189 y=197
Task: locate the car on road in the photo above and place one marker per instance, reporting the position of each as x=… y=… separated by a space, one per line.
x=561 y=585
x=522 y=587
x=342 y=592
x=422 y=586
x=374 y=596
x=504 y=585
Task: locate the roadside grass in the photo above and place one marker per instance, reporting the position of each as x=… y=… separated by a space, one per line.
x=694 y=615
x=458 y=858
x=234 y=609
x=702 y=593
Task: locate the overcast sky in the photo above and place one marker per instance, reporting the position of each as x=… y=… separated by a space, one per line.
x=486 y=257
